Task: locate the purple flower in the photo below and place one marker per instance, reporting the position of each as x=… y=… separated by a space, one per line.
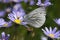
x=45 y=4
x=57 y=21
x=51 y=33
x=2 y=13
x=16 y=16
x=3 y=23
x=4 y=36
x=32 y=2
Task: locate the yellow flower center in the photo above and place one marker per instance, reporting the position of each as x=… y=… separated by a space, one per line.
x=17 y=21
x=5 y=25
x=51 y=35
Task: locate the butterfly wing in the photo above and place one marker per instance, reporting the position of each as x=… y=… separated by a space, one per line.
x=36 y=18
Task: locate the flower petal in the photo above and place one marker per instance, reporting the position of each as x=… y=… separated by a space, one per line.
x=58 y=32
x=3 y=34
x=50 y=30
x=39 y=2
x=54 y=30
x=47 y=30
x=44 y=32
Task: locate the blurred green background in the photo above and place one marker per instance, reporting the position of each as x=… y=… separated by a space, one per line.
x=19 y=32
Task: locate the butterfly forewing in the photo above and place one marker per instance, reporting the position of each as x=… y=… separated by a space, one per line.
x=36 y=18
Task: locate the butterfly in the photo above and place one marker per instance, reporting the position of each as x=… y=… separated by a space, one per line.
x=36 y=18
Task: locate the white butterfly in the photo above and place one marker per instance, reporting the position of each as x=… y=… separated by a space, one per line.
x=36 y=18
